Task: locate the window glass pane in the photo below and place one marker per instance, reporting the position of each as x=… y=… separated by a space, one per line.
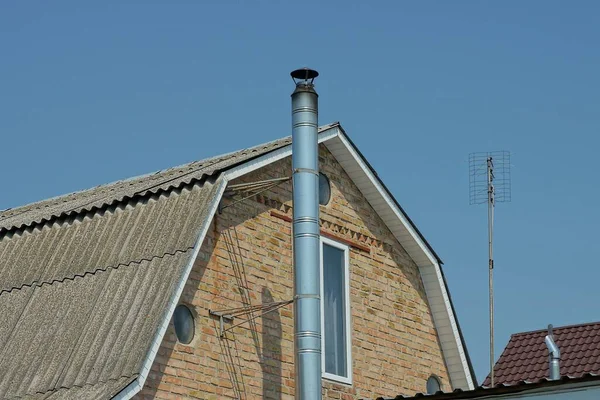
x=334 y=310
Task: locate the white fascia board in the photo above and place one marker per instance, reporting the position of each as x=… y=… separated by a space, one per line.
x=427 y=262
x=447 y=328
x=571 y=391
x=377 y=187
x=134 y=387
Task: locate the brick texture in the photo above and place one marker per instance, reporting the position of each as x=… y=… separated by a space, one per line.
x=246 y=259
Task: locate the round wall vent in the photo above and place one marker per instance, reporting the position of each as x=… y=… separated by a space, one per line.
x=184 y=324
x=433 y=385
x=324 y=189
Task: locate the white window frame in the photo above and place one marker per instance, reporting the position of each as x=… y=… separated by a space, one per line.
x=346 y=250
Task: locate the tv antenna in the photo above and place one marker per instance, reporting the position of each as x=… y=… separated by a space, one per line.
x=489 y=182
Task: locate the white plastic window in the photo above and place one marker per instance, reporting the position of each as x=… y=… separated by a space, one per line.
x=335 y=312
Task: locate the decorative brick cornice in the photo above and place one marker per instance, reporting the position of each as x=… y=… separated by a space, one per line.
x=272 y=203
x=333 y=229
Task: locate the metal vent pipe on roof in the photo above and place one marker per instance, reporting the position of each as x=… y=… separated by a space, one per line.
x=554 y=357
x=305 y=180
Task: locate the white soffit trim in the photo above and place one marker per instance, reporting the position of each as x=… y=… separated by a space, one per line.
x=134 y=387
x=447 y=328
x=273 y=156
x=379 y=199
x=399 y=225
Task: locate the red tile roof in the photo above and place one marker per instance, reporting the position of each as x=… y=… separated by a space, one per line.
x=525 y=358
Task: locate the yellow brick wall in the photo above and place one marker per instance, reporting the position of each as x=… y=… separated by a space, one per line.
x=246 y=259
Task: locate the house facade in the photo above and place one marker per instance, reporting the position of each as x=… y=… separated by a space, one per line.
x=179 y=285
x=247 y=260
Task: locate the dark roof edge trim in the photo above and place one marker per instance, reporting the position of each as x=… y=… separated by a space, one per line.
x=429 y=247
x=410 y=221
x=481 y=392
x=74 y=214
x=147 y=192
x=555 y=328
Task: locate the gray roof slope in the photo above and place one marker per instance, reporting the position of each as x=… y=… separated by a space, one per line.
x=85 y=279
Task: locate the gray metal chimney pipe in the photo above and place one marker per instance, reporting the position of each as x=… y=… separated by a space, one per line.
x=554 y=355
x=305 y=175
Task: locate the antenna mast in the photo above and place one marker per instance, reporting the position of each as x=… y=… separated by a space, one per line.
x=490 y=179
x=486 y=187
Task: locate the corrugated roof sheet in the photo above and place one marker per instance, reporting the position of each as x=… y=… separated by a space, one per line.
x=119 y=235
x=85 y=278
x=525 y=357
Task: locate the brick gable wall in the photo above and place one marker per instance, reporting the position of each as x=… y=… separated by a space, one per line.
x=246 y=259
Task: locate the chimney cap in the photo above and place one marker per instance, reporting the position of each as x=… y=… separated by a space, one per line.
x=304 y=74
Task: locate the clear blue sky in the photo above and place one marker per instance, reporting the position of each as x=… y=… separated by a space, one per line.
x=92 y=93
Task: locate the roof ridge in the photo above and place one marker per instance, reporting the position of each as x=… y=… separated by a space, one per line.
x=105 y=206
x=203 y=163
x=105 y=195
x=104 y=185
x=87 y=273
x=121 y=190
x=107 y=185
x=554 y=328
x=132 y=377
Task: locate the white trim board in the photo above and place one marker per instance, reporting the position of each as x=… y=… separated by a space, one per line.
x=348 y=314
